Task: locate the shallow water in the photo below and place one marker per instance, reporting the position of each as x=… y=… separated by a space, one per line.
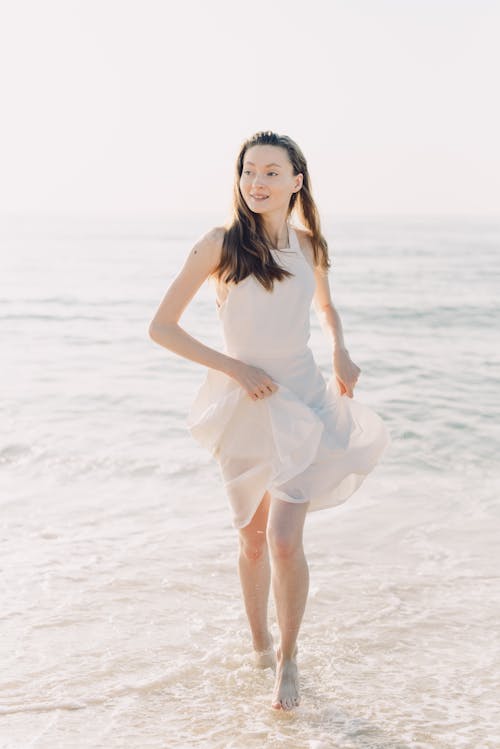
x=122 y=622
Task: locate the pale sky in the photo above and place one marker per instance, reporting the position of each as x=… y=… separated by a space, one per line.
x=139 y=108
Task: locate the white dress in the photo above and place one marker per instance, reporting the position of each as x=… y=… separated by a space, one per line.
x=303 y=443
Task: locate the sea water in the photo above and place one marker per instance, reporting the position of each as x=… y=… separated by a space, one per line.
x=122 y=623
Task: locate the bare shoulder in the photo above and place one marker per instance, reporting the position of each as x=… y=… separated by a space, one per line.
x=210 y=242
x=215 y=235
x=208 y=248
x=304 y=237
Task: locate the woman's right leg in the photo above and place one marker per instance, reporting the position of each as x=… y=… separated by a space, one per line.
x=255 y=577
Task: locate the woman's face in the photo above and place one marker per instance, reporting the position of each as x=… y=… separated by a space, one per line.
x=267 y=180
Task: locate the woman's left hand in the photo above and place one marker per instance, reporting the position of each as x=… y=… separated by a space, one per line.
x=346 y=372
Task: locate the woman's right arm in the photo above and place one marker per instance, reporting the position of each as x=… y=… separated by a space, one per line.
x=164 y=328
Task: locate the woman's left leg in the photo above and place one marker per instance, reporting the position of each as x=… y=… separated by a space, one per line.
x=290 y=581
x=255 y=576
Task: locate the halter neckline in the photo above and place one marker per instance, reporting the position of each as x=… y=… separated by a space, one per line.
x=292 y=240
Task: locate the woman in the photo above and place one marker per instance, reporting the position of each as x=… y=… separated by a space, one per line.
x=286 y=440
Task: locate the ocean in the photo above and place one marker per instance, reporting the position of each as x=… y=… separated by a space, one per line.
x=122 y=623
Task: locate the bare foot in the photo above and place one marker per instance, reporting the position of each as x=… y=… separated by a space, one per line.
x=265 y=658
x=286 y=687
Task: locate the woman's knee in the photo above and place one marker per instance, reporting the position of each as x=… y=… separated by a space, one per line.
x=252 y=544
x=284 y=529
x=284 y=542
x=252 y=537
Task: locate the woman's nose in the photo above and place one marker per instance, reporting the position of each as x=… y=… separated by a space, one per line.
x=258 y=180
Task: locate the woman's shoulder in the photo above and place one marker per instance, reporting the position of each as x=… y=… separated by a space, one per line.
x=214 y=237
x=306 y=245
x=217 y=233
x=209 y=245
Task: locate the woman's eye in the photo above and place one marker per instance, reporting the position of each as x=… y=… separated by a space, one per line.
x=247 y=171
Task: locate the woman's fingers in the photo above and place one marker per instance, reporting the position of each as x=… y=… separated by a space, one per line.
x=347 y=374
x=255 y=381
x=345 y=388
x=262 y=386
x=262 y=392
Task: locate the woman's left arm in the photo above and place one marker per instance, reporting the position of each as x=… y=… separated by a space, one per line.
x=346 y=371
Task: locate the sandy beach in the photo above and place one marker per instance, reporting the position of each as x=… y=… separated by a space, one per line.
x=122 y=621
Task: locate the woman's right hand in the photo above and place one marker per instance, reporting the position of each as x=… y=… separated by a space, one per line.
x=253 y=380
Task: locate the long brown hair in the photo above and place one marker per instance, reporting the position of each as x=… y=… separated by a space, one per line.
x=245 y=248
